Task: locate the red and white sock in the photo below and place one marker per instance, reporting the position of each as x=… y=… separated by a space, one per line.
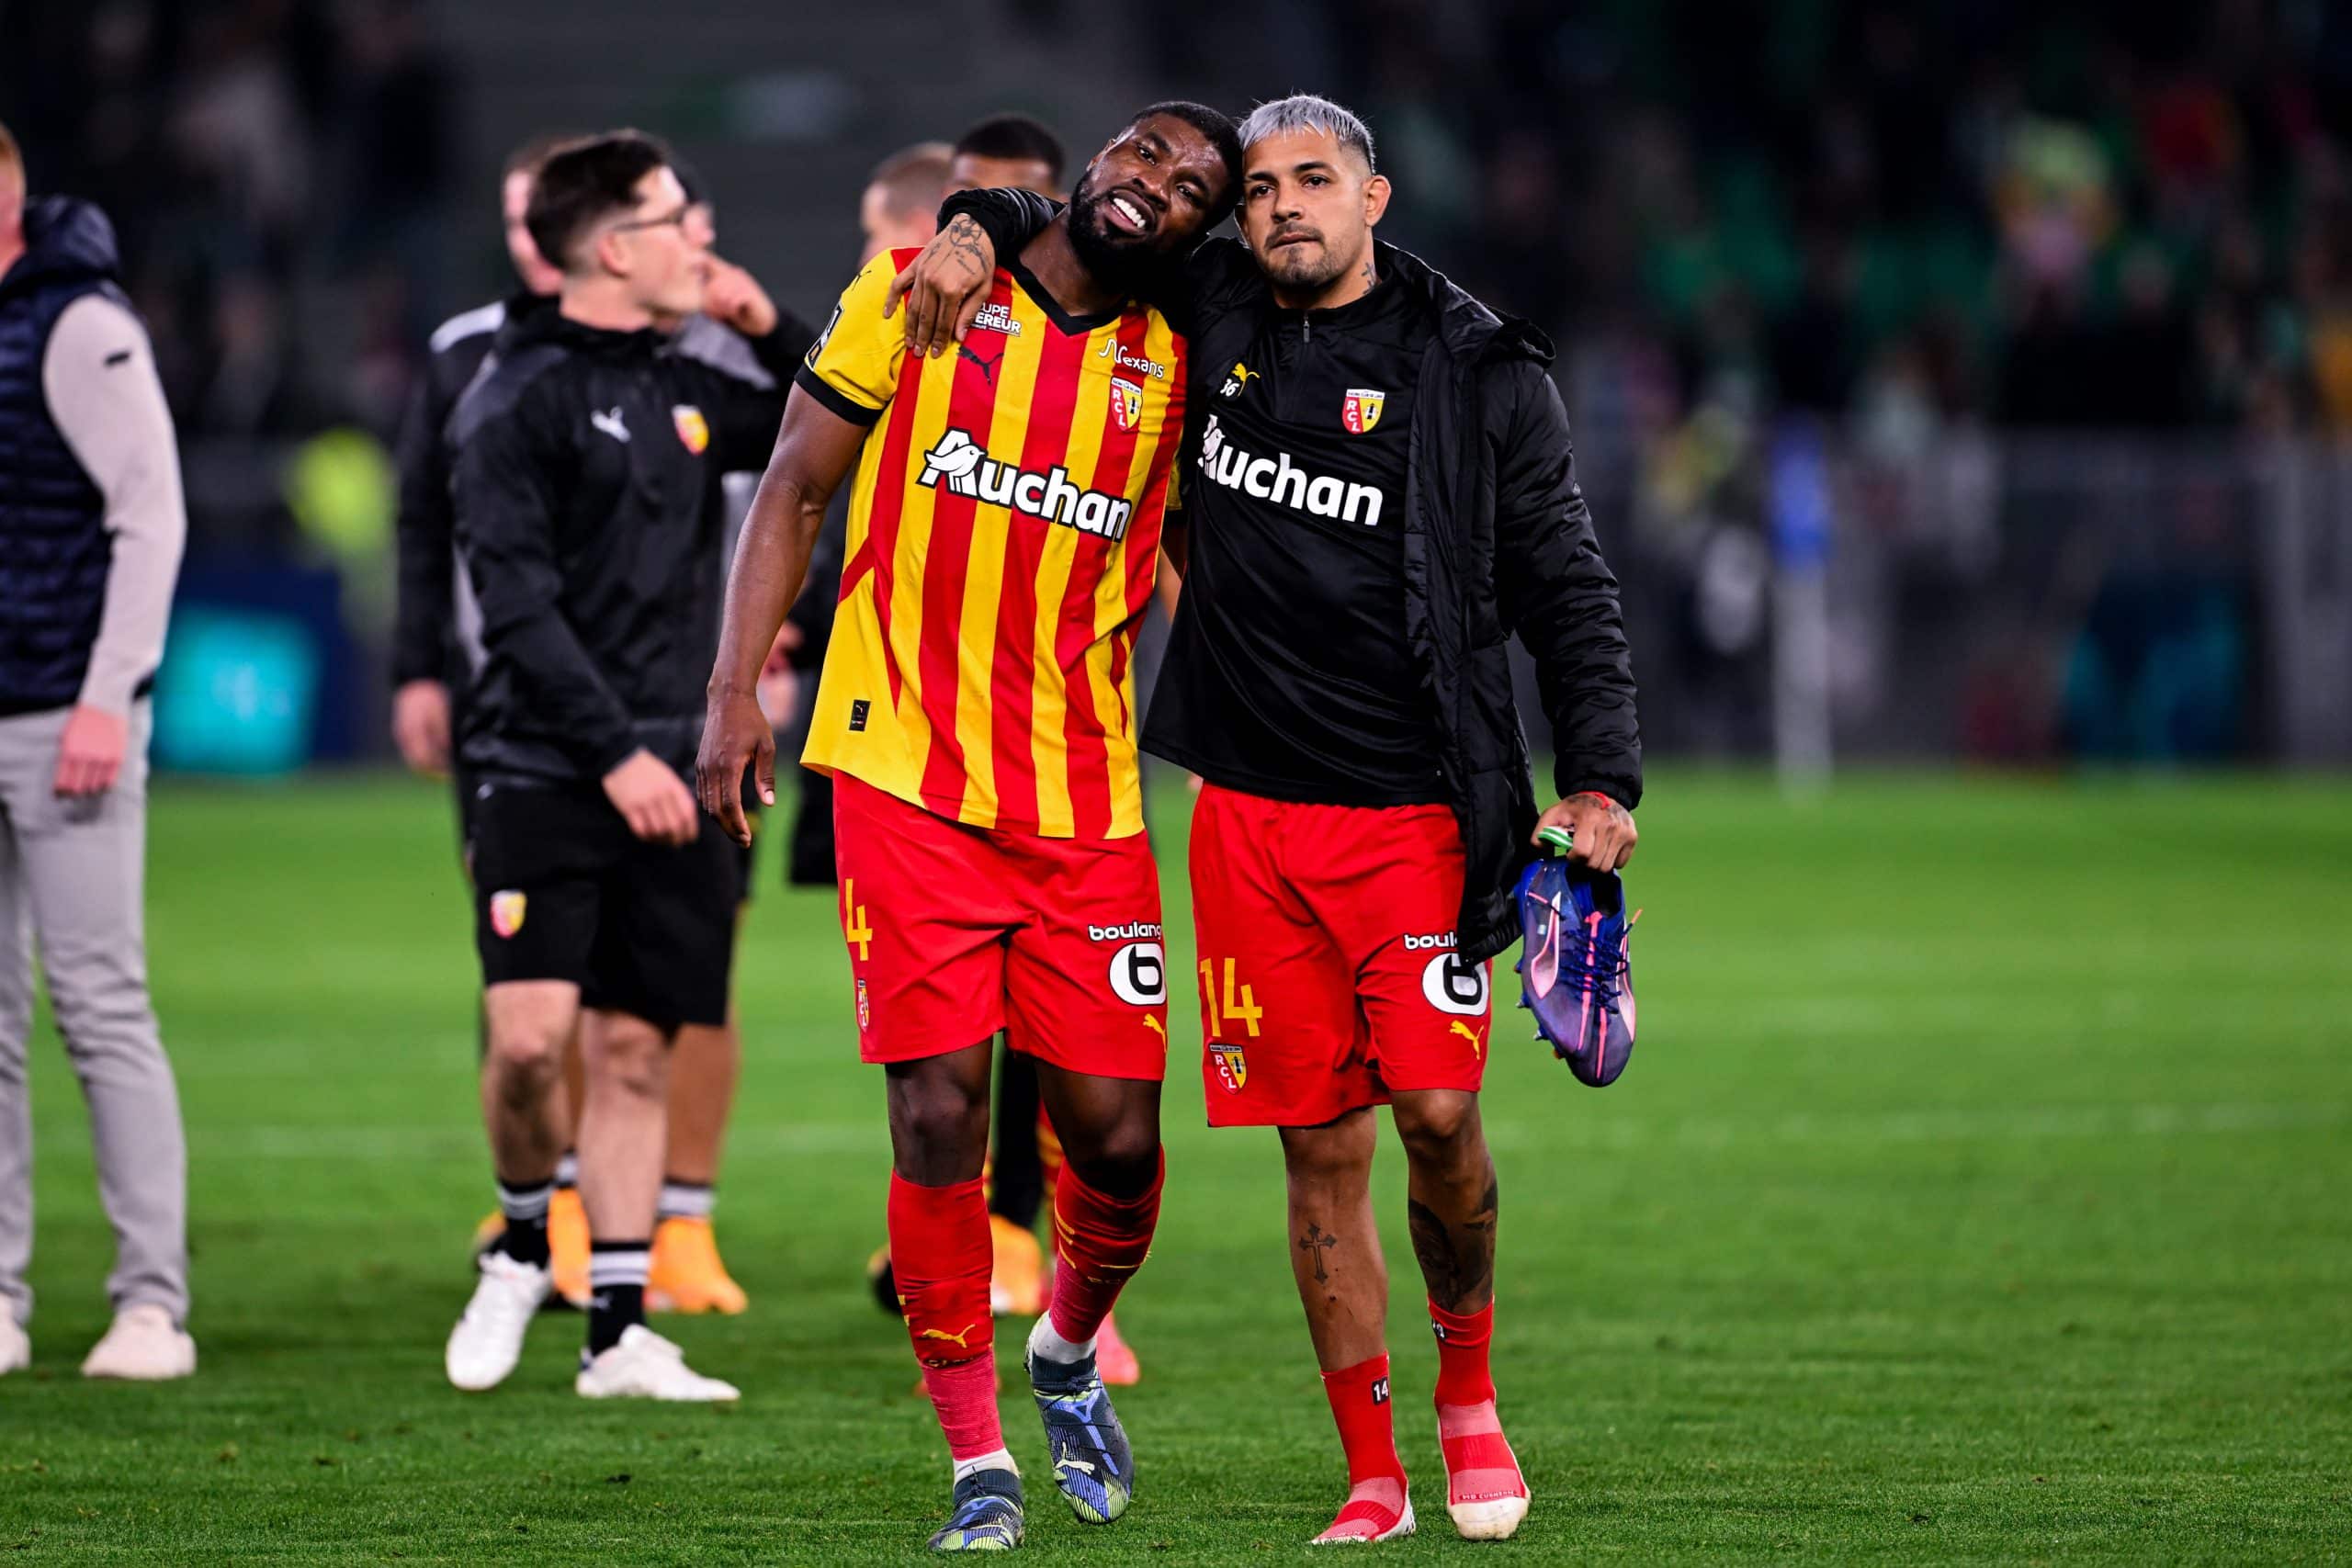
x=1482 y=1476
x=1376 y=1504
x=939 y=1256
x=1099 y=1242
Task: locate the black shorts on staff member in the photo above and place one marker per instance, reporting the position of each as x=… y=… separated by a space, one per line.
x=564 y=891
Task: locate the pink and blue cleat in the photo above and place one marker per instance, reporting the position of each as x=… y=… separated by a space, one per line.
x=1576 y=970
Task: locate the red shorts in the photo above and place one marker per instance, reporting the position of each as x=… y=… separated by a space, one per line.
x=955 y=933
x=1328 y=974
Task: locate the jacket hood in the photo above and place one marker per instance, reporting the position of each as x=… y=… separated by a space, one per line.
x=66 y=241
x=1470 y=330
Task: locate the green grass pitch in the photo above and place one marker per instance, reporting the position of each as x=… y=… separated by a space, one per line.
x=1981 y=1191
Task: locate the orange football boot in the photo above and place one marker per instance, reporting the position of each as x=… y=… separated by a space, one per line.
x=568 y=1246
x=1017 y=1274
x=687 y=1275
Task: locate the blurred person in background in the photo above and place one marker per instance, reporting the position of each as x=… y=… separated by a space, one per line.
x=427 y=666
x=1381 y=491
x=900 y=205
x=688 y=1274
x=1008 y=150
x=92 y=526
x=587 y=458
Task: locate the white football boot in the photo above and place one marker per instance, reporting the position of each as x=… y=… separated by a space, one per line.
x=487 y=1340
x=646 y=1366
x=144 y=1346
x=16 y=1346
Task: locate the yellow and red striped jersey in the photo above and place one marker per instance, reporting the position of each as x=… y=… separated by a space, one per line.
x=1003 y=537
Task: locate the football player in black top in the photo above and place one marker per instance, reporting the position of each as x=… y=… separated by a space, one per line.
x=1380 y=492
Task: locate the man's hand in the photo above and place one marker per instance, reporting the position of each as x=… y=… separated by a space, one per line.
x=944 y=287
x=421 y=726
x=89 y=754
x=735 y=733
x=1604 y=830
x=735 y=299
x=652 y=799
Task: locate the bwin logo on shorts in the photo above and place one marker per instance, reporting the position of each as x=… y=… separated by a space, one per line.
x=1053 y=496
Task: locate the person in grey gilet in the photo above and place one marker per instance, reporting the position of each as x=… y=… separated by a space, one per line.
x=91 y=529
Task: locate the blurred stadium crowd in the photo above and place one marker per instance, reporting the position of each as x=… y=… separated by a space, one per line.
x=1919 y=226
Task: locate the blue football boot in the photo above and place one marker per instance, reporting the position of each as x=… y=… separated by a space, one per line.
x=1576 y=970
x=1093 y=1464
x=987 y=1516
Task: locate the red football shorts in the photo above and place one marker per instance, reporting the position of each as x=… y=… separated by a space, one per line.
x=955 y=933
x=1327 y=973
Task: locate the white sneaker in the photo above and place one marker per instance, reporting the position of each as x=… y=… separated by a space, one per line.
x=487 y=1340
x=16 y=1346
x=144 y=1345
x=646 y=1366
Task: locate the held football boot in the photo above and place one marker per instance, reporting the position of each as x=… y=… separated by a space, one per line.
x=1576 y=970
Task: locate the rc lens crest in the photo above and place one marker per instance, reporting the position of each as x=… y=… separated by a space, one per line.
x=1126 y=403
x=1361 y=409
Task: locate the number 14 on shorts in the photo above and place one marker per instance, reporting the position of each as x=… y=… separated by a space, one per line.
x=1239 y=1006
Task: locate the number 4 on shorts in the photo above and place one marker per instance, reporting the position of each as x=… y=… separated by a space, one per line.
x=1241 y=1002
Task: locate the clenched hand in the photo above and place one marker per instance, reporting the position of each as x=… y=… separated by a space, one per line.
x=1604 y=831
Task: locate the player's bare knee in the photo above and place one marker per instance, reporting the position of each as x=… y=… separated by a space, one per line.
x=526 y=1055
x=1325 y=1160
x=939 y=1125
x=628 y=1054
x=1121 y=1161
x=1441 y=1129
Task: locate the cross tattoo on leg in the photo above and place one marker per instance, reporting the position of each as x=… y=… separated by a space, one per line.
x=1316 y=1243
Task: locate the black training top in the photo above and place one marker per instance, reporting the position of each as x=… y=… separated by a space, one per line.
x=589 y=540
x=1288 y=674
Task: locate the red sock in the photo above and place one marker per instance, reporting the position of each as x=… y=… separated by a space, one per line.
x=940 y=1255
x=1461 y=1339
x=1359 y=1396
x=1101 y=1241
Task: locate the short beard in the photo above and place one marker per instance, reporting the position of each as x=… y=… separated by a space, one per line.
x=1118 y=267
x=1310 y=281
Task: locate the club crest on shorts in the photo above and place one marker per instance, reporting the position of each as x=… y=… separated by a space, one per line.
x=1361 y=409
x=506 y=911
x=865 y=1009
x=1126 y=403
x=693 y=428
x=1232 y=1067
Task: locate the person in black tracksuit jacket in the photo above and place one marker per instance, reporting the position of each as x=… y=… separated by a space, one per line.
x=587 y=461
x=1379 y=491
x=428 y=667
